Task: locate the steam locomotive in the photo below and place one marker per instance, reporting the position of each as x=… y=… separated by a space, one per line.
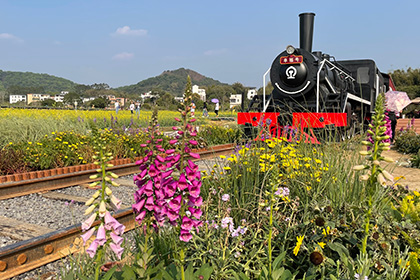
x=313 y=92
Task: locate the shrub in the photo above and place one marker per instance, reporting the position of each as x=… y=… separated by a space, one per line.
x=12 y=161
x=407 y=141
x=215 y=135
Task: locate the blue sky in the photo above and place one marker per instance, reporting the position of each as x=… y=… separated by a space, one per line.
x=124 y=42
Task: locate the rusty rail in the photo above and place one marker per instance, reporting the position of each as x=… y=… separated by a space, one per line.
x=27 y=255
x=25 y=187
x=24 y=256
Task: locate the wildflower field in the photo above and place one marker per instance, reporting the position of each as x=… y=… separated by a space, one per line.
x=43 y=139
x=271 y=210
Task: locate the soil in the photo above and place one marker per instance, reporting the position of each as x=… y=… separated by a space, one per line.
x=400 y=167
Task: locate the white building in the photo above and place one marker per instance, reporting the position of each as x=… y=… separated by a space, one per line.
x=87 y=99
x=179 y=99
x=17 y=98
x=60 y=97
x=235 y=100
x=147 y=95
x=251 y=93
x=36 y=97
x=200 y=91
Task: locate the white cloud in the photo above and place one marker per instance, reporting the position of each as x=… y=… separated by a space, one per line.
x=7 y=36
x=123 y=56
x=127 y=31
x=215 y=52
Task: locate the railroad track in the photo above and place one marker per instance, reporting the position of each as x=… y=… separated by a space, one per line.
x=27 y=255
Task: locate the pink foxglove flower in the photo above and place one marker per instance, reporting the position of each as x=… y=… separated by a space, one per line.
x=170 y=189
x=187 y=223
x=159 y=165
x=185 y=235
x=101 y=235
x=116 y=238
x=140 y=217
x=182 y=182
x=139 y=205
x=153 y=171
x=110 y=222
x=193 y=142
x=195 y=189
x=91 y=251
x=166 y=174
x=115 y=202
x=170 y=151
x=195 y=212
x=118 y=250
x=192 y=165
x=88 y=223
x=118 y=228
x=148 y=190
x=149 y=203
x=175 y=203
x=172 y=214
x=195 y=201
x=195 y=155
x=159 y=158
x=87 y=235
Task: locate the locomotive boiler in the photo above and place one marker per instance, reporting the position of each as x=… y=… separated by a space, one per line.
x=313 y=91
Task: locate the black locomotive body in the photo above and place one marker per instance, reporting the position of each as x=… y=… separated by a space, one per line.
x=312 y=90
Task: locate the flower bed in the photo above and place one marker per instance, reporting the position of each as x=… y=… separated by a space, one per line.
x=271 y=210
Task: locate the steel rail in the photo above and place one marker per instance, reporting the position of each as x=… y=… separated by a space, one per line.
x=25 y=187
x=29 y=254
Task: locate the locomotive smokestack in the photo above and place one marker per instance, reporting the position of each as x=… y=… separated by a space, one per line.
x=306 y=30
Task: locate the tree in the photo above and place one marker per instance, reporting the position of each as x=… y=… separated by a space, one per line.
x=48 y=103
x=72 y=97
x=268 y=89
x=99 y=102
x=167 y=101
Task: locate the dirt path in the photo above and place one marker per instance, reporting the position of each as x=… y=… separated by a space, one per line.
x=401 y=168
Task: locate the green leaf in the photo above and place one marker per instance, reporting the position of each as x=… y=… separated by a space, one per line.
x=109 y=273
x=276 y=274
x=278 y=260
x=189 y=272
x=242 y=276
x=129 y=273
x=340 y=249
x=170 y=273
x=205 y=271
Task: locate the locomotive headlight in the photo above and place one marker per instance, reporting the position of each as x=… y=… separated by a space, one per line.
x=290 y=49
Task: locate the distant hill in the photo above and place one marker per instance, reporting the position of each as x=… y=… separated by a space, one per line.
x=28 y=79
x=171 y=81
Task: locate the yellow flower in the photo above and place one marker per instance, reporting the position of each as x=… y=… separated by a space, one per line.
x=321 y=244
x=298 y=244
x=270 y=143
x=326 y=232
x=222 y=157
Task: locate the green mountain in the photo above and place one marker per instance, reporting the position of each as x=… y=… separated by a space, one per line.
x=173 y=82
x=49 y=83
